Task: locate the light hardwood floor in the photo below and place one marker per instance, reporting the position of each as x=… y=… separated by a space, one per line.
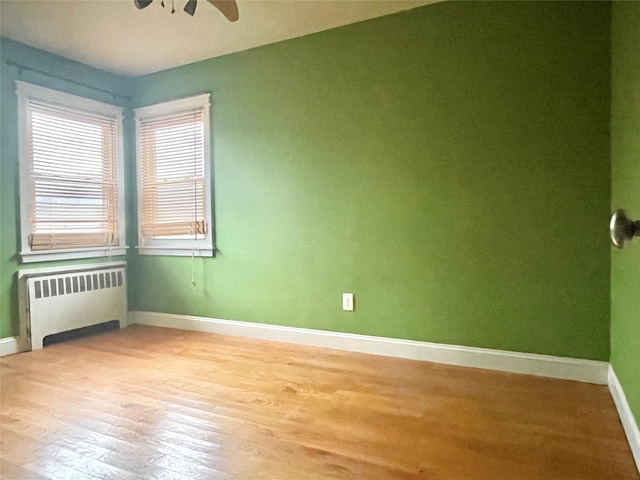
x=157 y=403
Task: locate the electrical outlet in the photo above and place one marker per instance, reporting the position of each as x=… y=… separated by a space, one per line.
x=347 y=302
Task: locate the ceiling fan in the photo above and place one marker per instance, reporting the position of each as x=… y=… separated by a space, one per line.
x=229 y=8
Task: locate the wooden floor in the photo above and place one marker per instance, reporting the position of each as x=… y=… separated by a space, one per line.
x=156 y=403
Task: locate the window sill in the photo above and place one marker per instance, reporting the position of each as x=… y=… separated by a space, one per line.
x=70 y=254
x=176 y=251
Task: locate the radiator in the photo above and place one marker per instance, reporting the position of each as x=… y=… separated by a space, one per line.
x=71 y=298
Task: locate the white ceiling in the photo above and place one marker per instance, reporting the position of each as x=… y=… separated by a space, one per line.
x=114 y=36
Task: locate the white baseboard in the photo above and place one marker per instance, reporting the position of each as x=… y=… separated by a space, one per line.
x=626 y=415
x=588 y=371
x=9 y=346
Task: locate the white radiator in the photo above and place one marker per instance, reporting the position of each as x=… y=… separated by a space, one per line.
x=72 y=297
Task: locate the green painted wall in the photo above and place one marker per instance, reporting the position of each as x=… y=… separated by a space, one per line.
x=9 y=190
x=449 y=165
x=625 y=157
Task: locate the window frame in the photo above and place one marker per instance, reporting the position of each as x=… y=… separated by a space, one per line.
x=25 y=92
x=183 y=247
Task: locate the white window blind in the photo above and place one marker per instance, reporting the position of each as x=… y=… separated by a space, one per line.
x=173 y=177
x=72 y=177
x=174 y=198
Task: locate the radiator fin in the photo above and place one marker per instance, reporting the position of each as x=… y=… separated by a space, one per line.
x=76 y=283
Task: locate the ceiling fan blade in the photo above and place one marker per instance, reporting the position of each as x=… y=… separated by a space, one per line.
x=229 y=8
x=190 y=7
x=140 y=4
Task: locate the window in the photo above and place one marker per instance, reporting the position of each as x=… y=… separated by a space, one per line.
x=174 y=194
x=71 y=176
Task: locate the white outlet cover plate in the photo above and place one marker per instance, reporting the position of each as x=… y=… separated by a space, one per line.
x=347 y=302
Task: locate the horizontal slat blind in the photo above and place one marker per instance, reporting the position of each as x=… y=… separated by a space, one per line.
x=173 y=175
x=72 y=178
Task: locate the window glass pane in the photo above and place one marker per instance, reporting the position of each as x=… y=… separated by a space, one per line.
x=172 y=171
x=73 y=181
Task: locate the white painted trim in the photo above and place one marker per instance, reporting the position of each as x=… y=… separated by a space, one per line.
x=68 y=100
x=9 y=346
x=626 y=415
x=32 y=256
x=171 y=106
x=589 y=371
x=198 y=247
x=177 y=251
x=25 y=92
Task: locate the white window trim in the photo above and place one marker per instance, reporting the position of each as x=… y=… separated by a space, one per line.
x=25 y=91
x=178 y=247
